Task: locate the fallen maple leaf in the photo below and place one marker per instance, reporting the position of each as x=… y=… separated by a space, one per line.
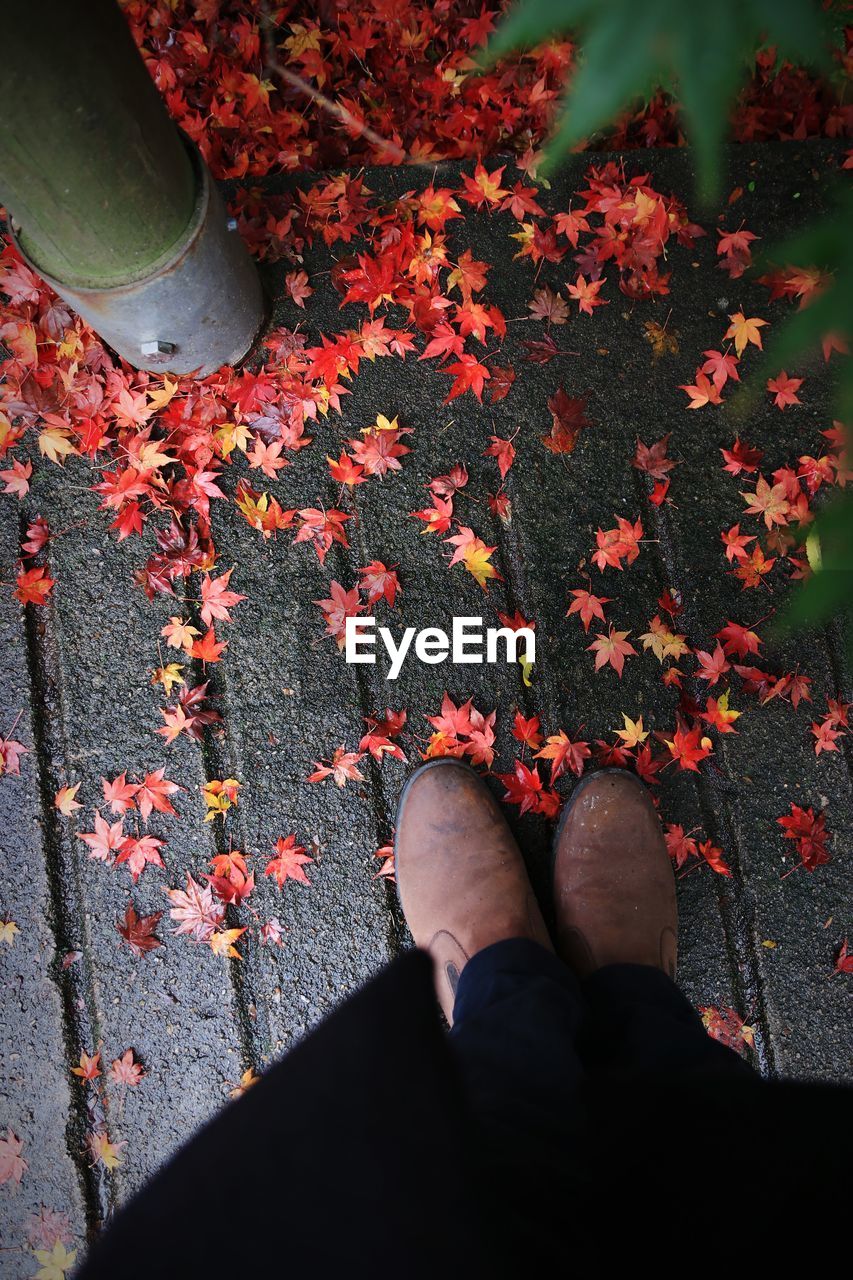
x=288 y=862
x=216 y=599
x=527 y=731
x=16 y=479
x=744 y=331
x=10 y=753
x=65 y=801
x=138 y=931
x=222 y=941
x=379 y=581
x=612 y=649
x=119 y=794
x=808 y=830
x=125 y=1070
x=337 y=607
x=180 y=634
x=153 y=793
x=701 y=392
x=525 y=788
x=469 y=375
x=208 y=649
x=473 y=553
x=106 y=839
x=784 y=389
x=633 y=733
x=138 y=851
x=88 y=1068
x=342 y=768
x=688 y=747
x=727 y=1027
x=33 y=586
x=12 y=1164
x=586 y=294
x=503 y=451
x=568 y=418
x=103 y=1151
x=195 y=909
x=588 y=606
x=564 y=754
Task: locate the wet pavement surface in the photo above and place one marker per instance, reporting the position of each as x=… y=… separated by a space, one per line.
x=78 y=673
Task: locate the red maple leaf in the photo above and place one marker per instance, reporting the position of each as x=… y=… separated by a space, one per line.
x=588 y=606
x=525 y=788
x=808 y=830
x=469 y=375
x=106 y=839
x=379 y=581
x=612 y=649
x=288 y=862
x=208 y=648
x=216 y=599
x=568 y=418
x=564 y=754
x=138 y=851
x=138 y=931
x=153 y=793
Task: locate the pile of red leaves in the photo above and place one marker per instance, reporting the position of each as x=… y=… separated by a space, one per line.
x=402 y=68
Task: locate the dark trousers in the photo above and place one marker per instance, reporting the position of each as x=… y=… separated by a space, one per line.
x=561 y=1124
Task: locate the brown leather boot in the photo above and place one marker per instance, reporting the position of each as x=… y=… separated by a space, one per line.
x=461 y=878
x=614 y=890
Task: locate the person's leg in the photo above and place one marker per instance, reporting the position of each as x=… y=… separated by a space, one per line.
x=617 y=926
x=638 y=1021
x=517 y=1017
x=515 y=1008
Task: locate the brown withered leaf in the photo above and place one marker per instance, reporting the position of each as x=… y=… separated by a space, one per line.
x=663 y=342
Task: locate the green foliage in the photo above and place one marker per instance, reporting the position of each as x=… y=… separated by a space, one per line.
x=700 y=52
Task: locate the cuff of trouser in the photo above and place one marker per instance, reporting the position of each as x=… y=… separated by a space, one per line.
x=633 y=984
x=518 y=957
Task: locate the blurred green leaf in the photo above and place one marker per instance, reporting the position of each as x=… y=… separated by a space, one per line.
x=829 y=590
x=828 y=245
x=629 y=49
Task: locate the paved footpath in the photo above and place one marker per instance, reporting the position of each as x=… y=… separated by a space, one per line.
x=78 y=672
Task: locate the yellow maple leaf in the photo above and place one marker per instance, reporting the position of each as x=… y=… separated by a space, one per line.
x=633 y=733
x=168 y=676
x=55 y=444
x=149 y=455
x=222 y=943
x=231 y=436
x=219 y=795
x=663 y=642
x=247 y=1079
x=64 y=800
x=103 y=1151
x=71 y=345
x=478 y=561
x=524 y=236
x=382 y=424
x=743 y=331
x=8 y=929
x=159 y=397
x=303 y=38
x=55 y=1262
